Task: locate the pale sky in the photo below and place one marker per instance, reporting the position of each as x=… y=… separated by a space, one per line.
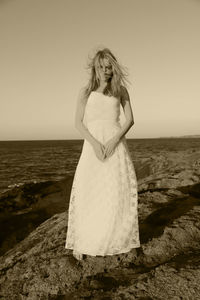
x=44 y=50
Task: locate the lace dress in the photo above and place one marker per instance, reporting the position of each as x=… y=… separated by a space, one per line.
x=103 y=214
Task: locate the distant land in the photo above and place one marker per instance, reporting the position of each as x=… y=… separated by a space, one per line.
x=182 y=136
x=191 y=136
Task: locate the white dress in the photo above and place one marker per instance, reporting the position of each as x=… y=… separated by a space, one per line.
x=103 y=213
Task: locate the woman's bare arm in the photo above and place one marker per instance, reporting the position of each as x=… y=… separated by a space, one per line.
x=126 y=104
x=80 y=111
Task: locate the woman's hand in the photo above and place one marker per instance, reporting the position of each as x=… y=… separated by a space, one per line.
x=99 y=150
x=110 y=146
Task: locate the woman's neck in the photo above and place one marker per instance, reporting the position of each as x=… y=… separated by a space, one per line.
x=103 y=84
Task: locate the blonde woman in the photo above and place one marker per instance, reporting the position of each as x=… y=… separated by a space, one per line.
x=103 y=207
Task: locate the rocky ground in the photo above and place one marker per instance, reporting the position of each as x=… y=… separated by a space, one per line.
x=166 y=266
x=24 y=208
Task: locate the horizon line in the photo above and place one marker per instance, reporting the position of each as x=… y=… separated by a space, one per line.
x=135 y=138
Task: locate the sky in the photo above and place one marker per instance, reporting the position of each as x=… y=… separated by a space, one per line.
x=45 y=46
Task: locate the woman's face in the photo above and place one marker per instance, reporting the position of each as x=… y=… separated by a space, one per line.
x=105 y=70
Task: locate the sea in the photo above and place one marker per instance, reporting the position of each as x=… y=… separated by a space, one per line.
x=23 y=162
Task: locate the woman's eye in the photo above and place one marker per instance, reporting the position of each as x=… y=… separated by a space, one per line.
x=107 y=67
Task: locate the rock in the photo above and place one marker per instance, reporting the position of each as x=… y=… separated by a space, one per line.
x=166 y=266
x=39 y=265
x=26 y=207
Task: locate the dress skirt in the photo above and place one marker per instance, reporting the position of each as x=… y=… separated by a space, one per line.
x=103 y=207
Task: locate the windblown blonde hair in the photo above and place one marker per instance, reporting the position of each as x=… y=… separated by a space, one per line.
x=117 y=80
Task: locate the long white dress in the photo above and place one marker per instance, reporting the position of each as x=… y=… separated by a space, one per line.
x=103 y=207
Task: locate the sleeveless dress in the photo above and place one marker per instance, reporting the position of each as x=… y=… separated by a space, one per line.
x=103 y=214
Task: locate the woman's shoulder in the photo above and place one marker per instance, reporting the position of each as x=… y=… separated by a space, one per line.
x=124 y=93
x=83 y=90
x=123 y=89
x=82 y=95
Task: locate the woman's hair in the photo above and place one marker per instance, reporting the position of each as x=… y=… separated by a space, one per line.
x=118 y=74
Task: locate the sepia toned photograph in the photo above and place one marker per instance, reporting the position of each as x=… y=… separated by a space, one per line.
x=100 y=150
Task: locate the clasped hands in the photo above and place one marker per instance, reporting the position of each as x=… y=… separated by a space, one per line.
x=103 y=151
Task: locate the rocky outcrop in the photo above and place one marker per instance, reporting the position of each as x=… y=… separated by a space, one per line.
x=166 y=266
x=24 y=208
x=169 y=170
x=40 y=267
x=36 y=195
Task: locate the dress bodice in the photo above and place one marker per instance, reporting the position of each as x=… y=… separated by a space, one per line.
x=102 y=107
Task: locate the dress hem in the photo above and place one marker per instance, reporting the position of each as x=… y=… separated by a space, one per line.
x=100 y=254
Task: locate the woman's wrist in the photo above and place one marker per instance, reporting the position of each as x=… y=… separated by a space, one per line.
x=94 y=143
x=117 y=138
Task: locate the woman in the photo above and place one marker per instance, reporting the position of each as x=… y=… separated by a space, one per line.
x=102 y=215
